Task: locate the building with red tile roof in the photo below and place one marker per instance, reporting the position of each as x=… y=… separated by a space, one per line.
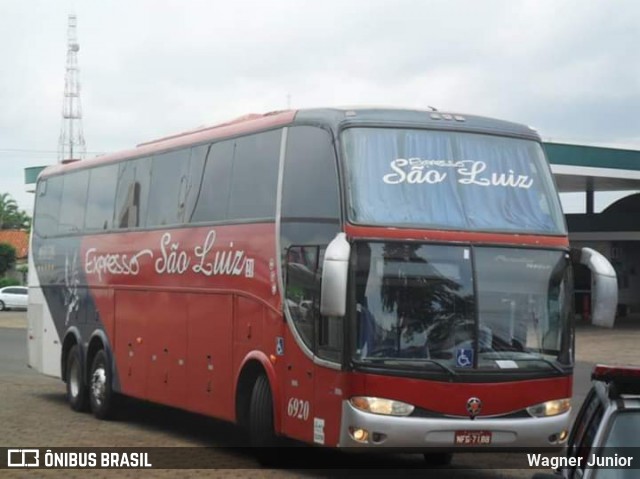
x=19 y=239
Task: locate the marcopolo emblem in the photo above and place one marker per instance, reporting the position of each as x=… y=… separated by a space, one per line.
x=474 y=406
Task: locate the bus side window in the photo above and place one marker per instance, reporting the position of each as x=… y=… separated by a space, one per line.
x=190 y=182
x=73 y=203
x=165 y=189
x=47 y=207
x=134 y=178
x=310 y=182
x=211 y=198
x=322 y=334
x=254 y=177
x=303 y=289
x=102 y=186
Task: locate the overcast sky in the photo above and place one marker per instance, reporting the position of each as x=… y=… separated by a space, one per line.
x=151 y=68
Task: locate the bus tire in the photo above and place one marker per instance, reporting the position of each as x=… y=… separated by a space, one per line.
x=438 y=458
x=77 y=394
x=101 y=396
x=261 y=431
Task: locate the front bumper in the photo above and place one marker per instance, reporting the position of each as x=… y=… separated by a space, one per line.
x=416 y=432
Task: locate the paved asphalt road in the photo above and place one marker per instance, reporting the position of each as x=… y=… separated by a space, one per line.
x=13 y=352
x=33 y=413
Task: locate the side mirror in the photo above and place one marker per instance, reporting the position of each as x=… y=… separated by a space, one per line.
x=335 y=273
x=604 y=287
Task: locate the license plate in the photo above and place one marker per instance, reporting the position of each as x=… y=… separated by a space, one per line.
x=473 y=438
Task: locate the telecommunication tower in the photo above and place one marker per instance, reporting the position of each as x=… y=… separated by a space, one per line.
x=71 y=145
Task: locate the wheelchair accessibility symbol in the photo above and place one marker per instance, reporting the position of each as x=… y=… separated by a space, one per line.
x=464 y=358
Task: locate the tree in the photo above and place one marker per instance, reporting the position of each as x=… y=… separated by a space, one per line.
x=12 y=218
x=19 y=221
x=8 y=208
x=7 y=258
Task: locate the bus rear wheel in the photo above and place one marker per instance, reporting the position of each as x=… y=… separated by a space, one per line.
x=101 y=396
x=77 y=396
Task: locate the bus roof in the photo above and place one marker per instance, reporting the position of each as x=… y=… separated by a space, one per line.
x=413 y=118
x=328 y=117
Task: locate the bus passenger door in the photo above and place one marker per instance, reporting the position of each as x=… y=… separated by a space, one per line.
x=297 y=403
x=329 y=381
x=301 y=306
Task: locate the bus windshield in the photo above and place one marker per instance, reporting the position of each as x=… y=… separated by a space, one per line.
x=461 y=307
x=449 y=180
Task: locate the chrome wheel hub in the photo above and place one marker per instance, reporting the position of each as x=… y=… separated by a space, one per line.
x=74 y=380
x=99 y=385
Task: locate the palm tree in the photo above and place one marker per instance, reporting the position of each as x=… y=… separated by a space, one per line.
x=8 y=208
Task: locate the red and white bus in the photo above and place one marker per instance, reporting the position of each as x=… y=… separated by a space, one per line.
x=343 y=277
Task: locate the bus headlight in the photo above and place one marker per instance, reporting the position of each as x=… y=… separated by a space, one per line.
x=388 y=407
x=550 y=408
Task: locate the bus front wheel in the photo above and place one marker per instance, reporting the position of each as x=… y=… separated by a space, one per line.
x=76 y=385
x=100 y=391
x=261 y=431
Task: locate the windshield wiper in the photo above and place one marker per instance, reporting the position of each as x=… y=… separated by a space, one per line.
x=451 y=372
x=443 y=366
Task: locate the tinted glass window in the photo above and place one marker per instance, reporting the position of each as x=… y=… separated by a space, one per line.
x=143 y=179
x=190 y=185
x=213 y=198
x=48 y=206
x=523 y=301
x=100 y=199
x=169 y=175
x=414 y=302
x=255 y=176
x=310 y=183
x=133 y=191
x=303 y=289
x=127 y=198
x=74 y=198
x=624 y=431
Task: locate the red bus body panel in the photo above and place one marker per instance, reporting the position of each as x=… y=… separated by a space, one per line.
x=498 y=398
x=178 y=333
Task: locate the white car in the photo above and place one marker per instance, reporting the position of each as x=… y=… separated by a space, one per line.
x=14 y=297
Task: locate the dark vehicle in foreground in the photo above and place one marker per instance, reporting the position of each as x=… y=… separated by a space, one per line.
x=605 y=434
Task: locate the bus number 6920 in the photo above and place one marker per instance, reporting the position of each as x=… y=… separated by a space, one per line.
x=298 y=408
